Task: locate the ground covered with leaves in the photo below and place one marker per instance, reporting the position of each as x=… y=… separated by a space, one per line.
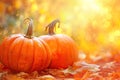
x=101 y=68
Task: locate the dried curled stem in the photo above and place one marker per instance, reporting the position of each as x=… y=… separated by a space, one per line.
x=30 y=27
x=50 y=27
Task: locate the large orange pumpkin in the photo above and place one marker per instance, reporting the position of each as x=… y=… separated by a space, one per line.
x=24 y=52
x=64 y=49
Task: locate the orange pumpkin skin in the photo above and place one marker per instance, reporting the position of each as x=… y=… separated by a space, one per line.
x=20 y=53
x=63 y=48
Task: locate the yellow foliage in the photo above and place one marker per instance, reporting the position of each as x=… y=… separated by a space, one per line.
x=91 y=23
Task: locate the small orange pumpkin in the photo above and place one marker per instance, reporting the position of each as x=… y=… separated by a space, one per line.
x=24 y=52
x=64 y=49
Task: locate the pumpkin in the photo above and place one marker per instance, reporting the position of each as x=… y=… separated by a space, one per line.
x=64 y=49
x=25 y=52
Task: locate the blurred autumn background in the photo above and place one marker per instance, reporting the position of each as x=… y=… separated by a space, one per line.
x=93 y=24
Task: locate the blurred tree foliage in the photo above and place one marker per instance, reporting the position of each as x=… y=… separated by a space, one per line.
x=93 y=24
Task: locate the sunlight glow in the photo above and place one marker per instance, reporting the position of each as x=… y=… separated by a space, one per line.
x=93 y=23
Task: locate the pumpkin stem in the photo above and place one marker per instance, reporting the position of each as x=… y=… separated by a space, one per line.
x=30 y=28
x=50 y=27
